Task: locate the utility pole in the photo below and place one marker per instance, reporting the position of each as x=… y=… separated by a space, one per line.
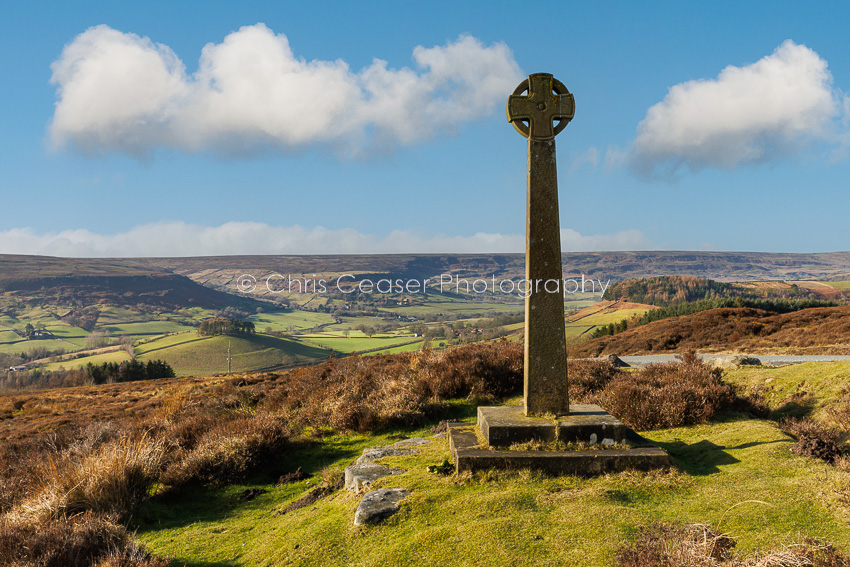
x=228 y=357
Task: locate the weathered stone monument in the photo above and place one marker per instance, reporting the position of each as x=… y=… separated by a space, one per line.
x=546 y=389
x=546 y=414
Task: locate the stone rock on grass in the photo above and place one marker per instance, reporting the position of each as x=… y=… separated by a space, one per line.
x=358 y=477
x=372 y=454
x=411 y=441
x=378 y=504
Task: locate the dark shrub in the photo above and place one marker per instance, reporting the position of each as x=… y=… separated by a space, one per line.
x=667 y=395
x=588 y=377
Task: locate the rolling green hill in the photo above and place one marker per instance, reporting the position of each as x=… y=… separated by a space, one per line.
x=190 y=355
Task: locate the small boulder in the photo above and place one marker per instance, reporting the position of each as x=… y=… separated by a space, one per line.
x=616 y=361
x=378 y=504
x=359 y=476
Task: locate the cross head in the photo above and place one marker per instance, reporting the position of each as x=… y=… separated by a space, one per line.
x=547 y=100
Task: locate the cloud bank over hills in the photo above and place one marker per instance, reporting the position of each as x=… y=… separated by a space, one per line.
x=119 y=92
x=168 y=239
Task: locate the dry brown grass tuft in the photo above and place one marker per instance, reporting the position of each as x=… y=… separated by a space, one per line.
x=110 y=477
x=668 y=545
x=696 y=545
x=84 y=540
x=370 y=393
x=228 y=452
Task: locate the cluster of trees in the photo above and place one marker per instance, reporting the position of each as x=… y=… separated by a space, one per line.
x=85 y=318
x=127 y=371
x=610 y=329
x=225 y=326
x=667 y=290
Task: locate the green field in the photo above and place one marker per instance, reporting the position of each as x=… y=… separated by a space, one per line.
x=357 y=344
x=585 y=324
x=404 y=348
x=150 y=345
x=116 y=356
x=448 y=305
x=290 y=320
x=114 y=314
x=208 y=355
x=145 y=328
x=51 y=344
x=836 y=285
x=9 y=337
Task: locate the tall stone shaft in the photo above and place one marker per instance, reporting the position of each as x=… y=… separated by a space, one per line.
x=546 y=389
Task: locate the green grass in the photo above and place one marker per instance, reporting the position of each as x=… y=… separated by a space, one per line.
x=821 y=383
x=190 y=355
x=512 y=518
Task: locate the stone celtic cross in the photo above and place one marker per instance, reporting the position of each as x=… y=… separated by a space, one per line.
x=540 y=115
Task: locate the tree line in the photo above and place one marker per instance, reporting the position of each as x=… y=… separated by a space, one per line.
x=225 y=326
x=104 y=373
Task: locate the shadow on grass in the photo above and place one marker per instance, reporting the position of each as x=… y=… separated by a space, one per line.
x=756 y=443
x=793 y=408
x=181 y=507
x=699 y=459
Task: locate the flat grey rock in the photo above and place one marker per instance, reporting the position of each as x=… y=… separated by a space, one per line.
x=359 y=476
x=378 y=504
x=411 y=441
x=374 y=453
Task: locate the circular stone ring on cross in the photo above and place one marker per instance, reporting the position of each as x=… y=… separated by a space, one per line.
x=544 y=111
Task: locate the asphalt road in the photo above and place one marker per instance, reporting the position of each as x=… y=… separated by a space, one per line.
x=767 y=359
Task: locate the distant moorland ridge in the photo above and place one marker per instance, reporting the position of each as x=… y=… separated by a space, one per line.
x=223 y=271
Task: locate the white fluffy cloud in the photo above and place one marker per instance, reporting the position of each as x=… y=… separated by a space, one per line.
x=120 y=92
x=756 y=113
x=182 y=239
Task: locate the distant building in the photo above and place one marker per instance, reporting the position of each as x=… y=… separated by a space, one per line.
x=17 y=368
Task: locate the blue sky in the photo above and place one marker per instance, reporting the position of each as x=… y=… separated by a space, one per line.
x=200 y=128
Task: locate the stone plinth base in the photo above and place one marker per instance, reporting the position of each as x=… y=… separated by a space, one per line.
x=502 y=426
x=505 y=425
